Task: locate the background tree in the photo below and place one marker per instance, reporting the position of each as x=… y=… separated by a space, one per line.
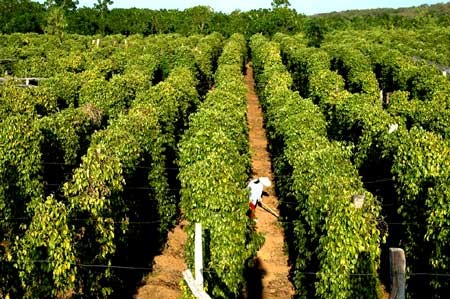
x=102 y=8
x=60 y=13
x=84 y=21
x=236 y=21
x=200 y=18
x=315 y=30
x=129 y=21
x=21 y=16
x=66 y=5
x=56 y=21
x=280 y=3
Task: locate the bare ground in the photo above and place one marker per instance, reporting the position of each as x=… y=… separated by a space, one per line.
x=164 y=281
x=272 y=261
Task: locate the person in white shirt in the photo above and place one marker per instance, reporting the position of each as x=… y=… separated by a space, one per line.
x=256 y=187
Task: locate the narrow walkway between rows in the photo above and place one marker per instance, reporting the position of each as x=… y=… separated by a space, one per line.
x=164 y=281
x=272 y=261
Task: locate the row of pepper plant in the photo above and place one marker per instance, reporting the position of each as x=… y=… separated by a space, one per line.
x=41 y=147
x=428 y=43
x=415 y=160
x=420 y=99
x=414 y=89
x=51 y=236
x=331 y=239
x=214 y=166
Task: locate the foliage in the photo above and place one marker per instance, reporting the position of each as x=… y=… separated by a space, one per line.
x=415 y=159
x=18 y=100
x=175 y=98
x=68 y=131
x=327 y=234
x=20 y=177
x=29 y=16
x=315 y=31
x=214 y=164
x=280 y=3
x=45 y=254
x=138 y=93
x=97 y=190
x=421 y=177
x=206 y=54
x=102 y=7
x=21 y=16
x=90 y=162
x=194 y=20
x=56 y=23
x=355 y=68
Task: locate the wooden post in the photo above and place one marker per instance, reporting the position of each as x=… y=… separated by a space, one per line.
x=198 y=255
x=398 y=269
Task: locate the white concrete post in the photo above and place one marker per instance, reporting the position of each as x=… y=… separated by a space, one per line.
x=196 y=285
x=198 y=261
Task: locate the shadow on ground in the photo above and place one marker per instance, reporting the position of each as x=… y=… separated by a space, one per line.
x=253 y=277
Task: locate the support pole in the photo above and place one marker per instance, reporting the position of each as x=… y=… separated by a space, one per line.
x=198 y=292
x=198 y=262
x=397 y=262
x=196 y=285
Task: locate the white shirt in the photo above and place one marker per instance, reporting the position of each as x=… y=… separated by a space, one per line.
x=256 y=190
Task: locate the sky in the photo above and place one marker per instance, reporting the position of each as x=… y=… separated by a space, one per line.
x=307 y=7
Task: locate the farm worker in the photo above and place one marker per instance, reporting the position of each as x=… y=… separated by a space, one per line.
x=256 y=187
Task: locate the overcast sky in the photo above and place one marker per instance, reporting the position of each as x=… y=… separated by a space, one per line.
x=307 y=7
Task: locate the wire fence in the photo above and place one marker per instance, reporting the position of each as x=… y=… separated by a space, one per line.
x=140 y=268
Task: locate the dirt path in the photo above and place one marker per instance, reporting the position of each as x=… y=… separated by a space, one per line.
x=270 y=274
x=164 y=281
x=271 y=259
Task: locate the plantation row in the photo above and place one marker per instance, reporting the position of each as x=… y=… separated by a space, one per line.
x=108 y=76
x=416 y=160
x=414 y=89
x=60 y=217
x=327 y=234
x=93 y=158
x=214 y=166
x=430 y=43
x=36 y=55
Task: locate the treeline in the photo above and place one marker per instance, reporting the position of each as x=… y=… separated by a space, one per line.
x=64 y=15
x=30 y=16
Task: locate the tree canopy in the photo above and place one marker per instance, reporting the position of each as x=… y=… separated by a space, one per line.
x=30 y=16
